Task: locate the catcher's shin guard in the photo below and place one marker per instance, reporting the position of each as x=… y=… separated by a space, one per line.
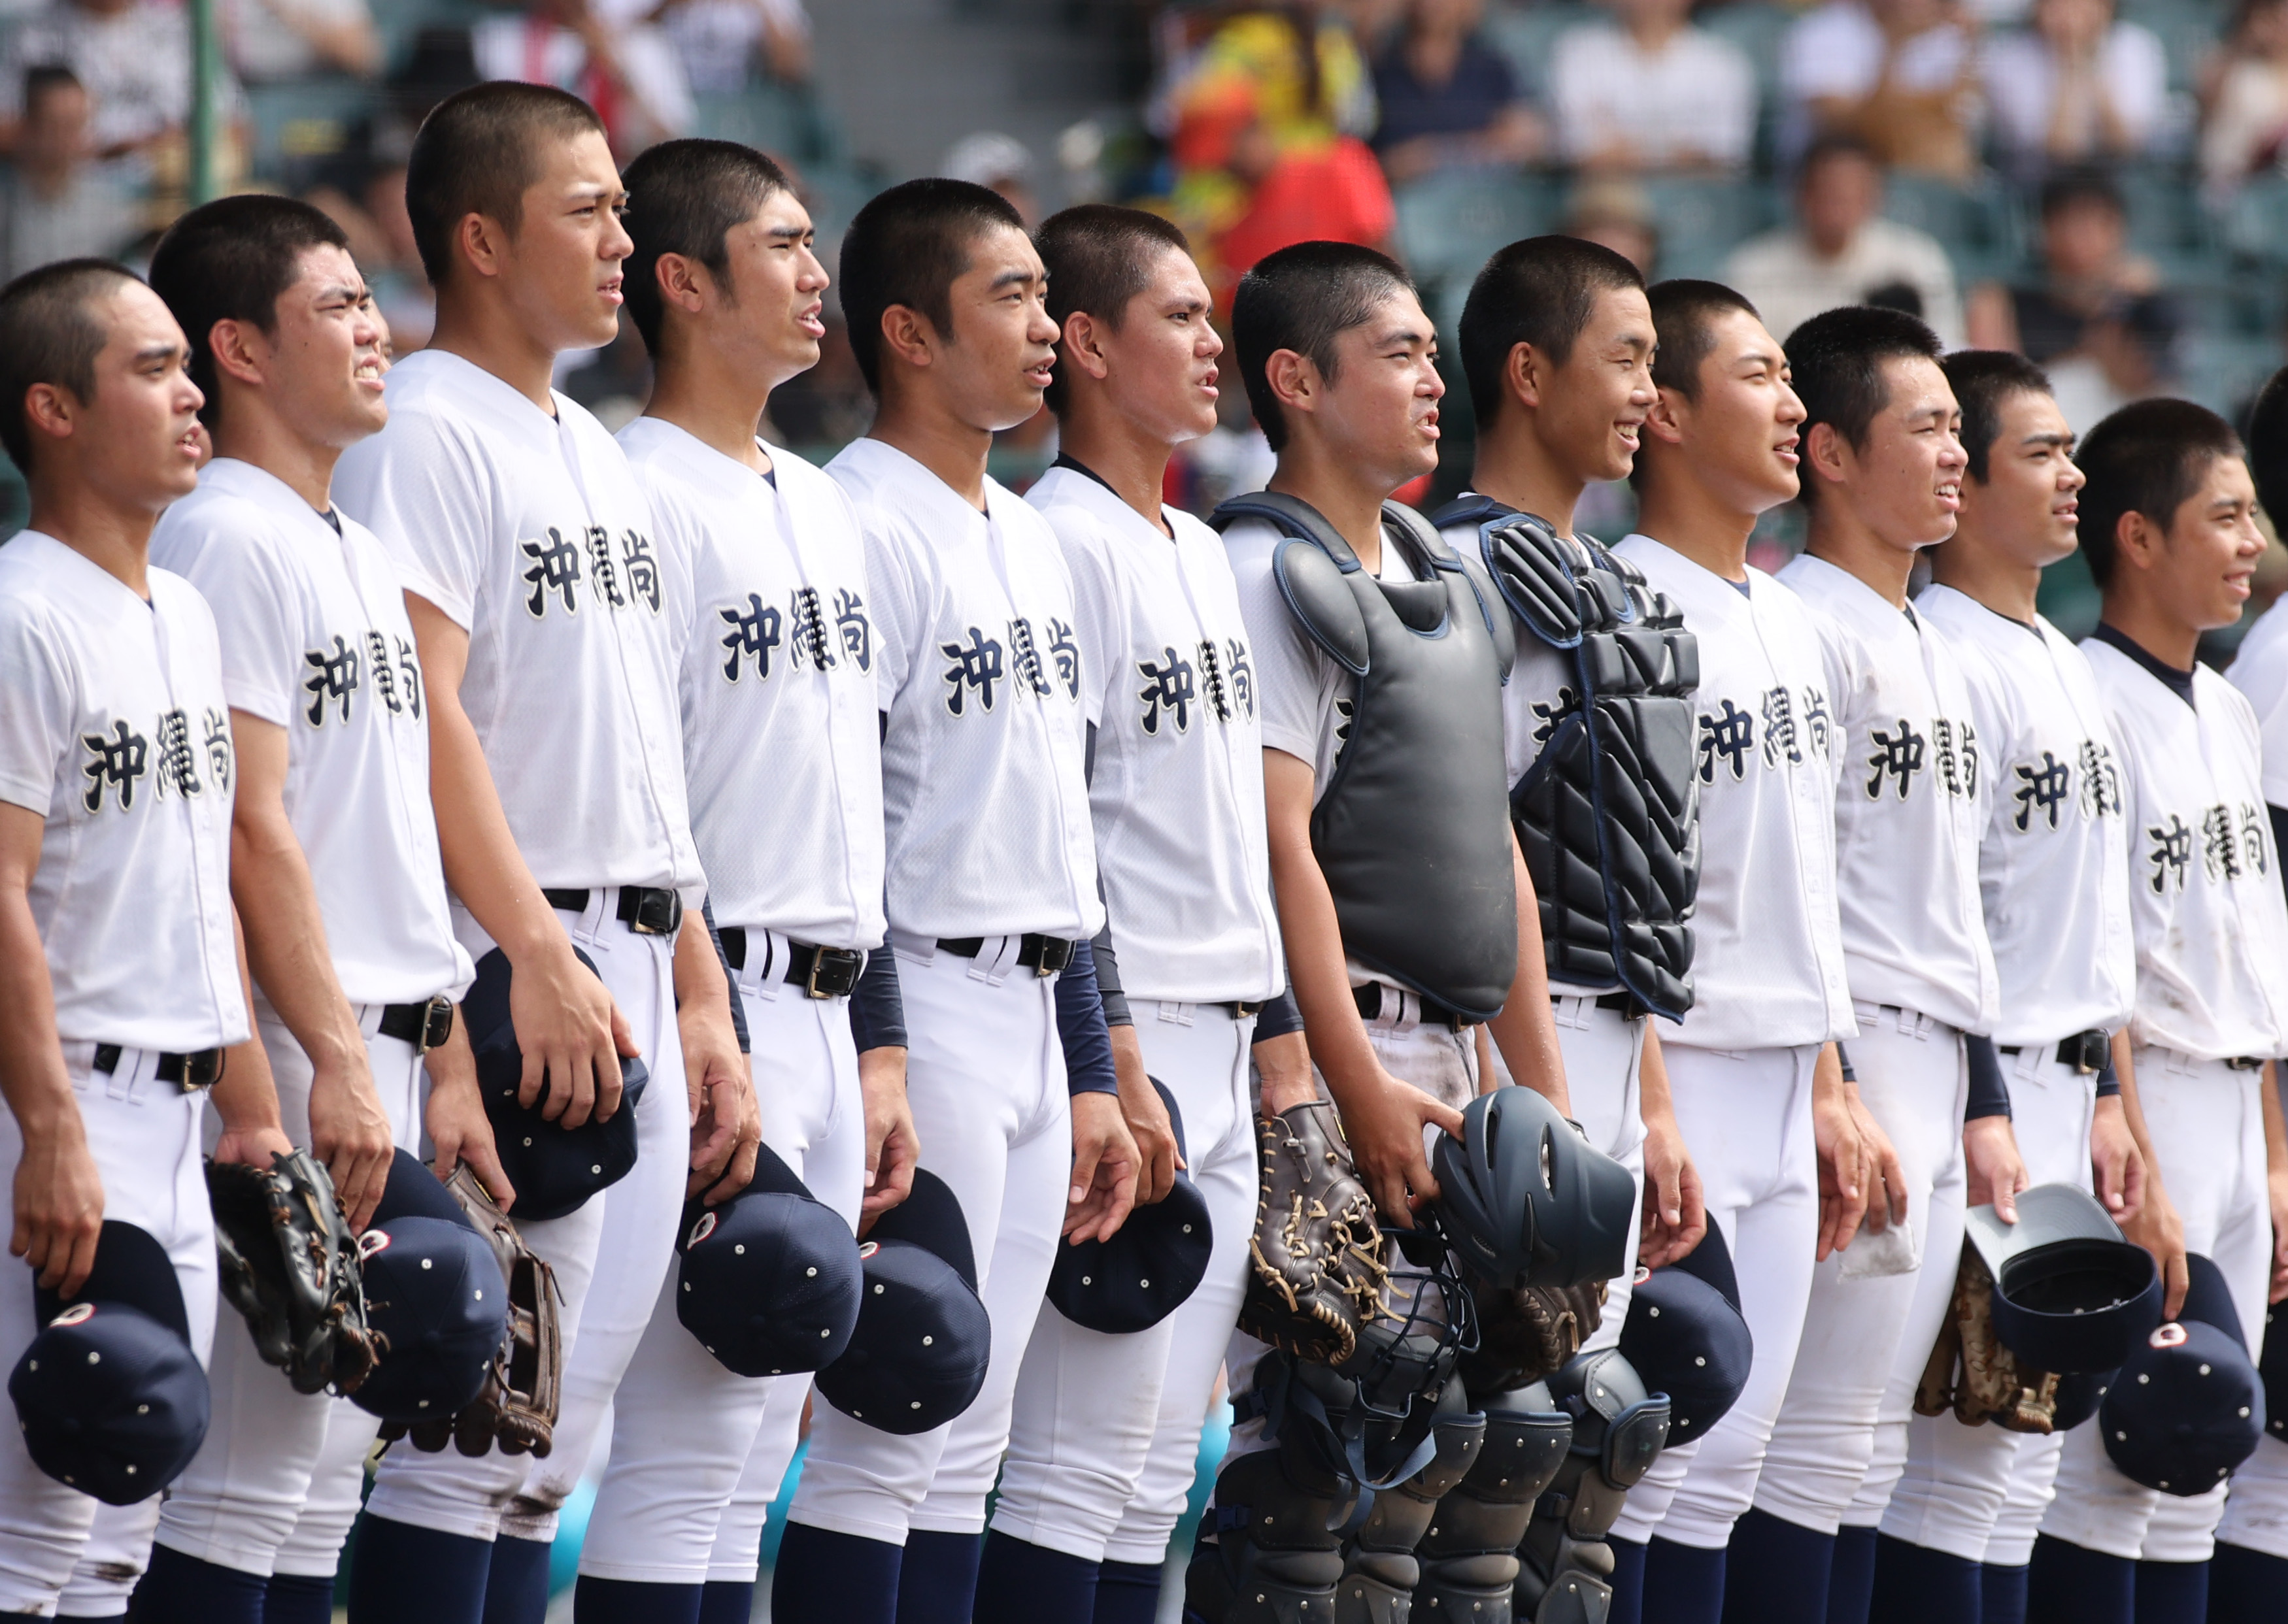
x=1469 y=1557
x=1275 y=1554
x=1565 y=1567
x=1380 y=1568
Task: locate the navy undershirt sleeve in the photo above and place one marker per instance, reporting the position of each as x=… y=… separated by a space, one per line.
x=1081 y=1026
x=1279 y=1018
x=878 y=1010
x=738 y=1004
x=1990 y=1094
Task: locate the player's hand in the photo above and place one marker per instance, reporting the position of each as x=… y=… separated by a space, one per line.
x=2277 y=1184
x=59 y=1205
x=892 y=1147
x=1997 y=1172
x=1384 y=1123
x=2157 y=1227
x=572 y=1035
x=727 y=1125
x=1147 y=1116
x=1843 y=1177
x=1105 y=1168
x=1674 y=1216
x=2116 y=1166
x=349 y=1133
x=456 y=1119
x=1885 y=1181
x=1283 y=1076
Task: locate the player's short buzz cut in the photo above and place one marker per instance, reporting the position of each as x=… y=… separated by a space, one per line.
x=1837 y=359
x=1303 y=298
x=2268 y=447
x=685 y=197
x=1542 y=291
x=2149 y=457
x=476 y=153
x=50 y=335
x=909 y=246
x=1099 y=256
x=230 y=260
x=1684 y=317
x=1984 y=381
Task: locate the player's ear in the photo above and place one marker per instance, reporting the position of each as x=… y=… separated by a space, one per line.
x=1522 y=375
x=1665 y=419
x=1826 y=453
x=1294 y=380
x=908 y=336
x=2137 y=541
x=235 y=352
x=680 y=282
x=1082 y=347
x=51 y=409
x=482 y=242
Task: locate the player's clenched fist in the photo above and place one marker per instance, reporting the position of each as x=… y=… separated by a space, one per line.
x=1384 y=1122
x=572 y=1034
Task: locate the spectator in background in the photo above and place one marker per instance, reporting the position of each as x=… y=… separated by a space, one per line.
x=1000 y=163
x=270 y=40
x=1615 y=214
x=2245 y=122
x=1296 y=66
x=2099 y=321
x=54 y=202
x=1899 y=74
x=723 y=42
x=627 y=70
x=1840 y=250
x=1447 y=99
x=2080 y=87
x=132 y=56
x=1652 y=93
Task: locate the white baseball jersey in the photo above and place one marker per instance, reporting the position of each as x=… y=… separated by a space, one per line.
x=984 y=780
x=115 y=728
x=315 y=641
x=2054 y=865
x=767 y=598
x=1178 y=787
x=1768 y=964
x=2260 y=672
x=1908 y=808
x=2211 y=930
x=529 y=531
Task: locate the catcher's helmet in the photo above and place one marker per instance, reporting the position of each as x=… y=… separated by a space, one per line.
x=2071 y=1292
x=1526 y=1201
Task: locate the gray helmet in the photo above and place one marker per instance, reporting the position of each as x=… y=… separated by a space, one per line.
x=1525 y=1200
x=2072 y=1294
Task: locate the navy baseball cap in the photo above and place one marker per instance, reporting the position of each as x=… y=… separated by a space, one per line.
x=555 y=1168
x=1146 y=1269
x=769 y=1281
x=2072 y=1294
x=1685 y=1336
x=2188 y=1406
x=438 y=1309
x=2078 y=1395
x=111 y=1399
x=918 y=1355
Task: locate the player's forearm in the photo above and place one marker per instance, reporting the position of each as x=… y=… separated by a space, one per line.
x=1526 y=1029
x=2133 y=1112
x=700 y=983
x=1319 y=976
x=286 y=949
x=245 y=1097
x=482 y=863
x=1283 y=1073
x=33 y=1077
x=1655 y=1106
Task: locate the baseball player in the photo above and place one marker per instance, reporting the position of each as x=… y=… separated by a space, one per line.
x=533 y=585
x=1886 y=470
x=2168 y=525
x=117 y=939
x=991 y=869
x=1752 y=1069
x=1557 y=345
x=338 y=875
x=2054 y=887
x=1107 y=1427
x=764 y=574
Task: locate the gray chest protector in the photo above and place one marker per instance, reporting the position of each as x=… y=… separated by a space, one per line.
x=1608 y=814
x=1410 y=831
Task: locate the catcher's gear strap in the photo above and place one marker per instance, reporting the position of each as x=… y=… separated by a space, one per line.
x=289 y=1264
x=1614 y=791
x=1972 y=1374
x=1318 y=1414
x=1317 y=1263
x=1408 y=830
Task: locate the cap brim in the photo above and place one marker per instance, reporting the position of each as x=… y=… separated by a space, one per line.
x=931 y=1218
x=2047 y=1214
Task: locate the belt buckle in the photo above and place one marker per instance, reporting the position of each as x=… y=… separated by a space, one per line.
x=436 y=1025
x=2090 y=1055
x=843 y=962
x=648 y=918
x=201 y=1070
x=1056 y=956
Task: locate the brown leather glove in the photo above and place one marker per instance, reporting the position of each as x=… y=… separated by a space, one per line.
x=1318 y=1270
x=289 y=1264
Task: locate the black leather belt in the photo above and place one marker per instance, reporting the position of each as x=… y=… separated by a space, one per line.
x=1369 y=999
x=1043 y=955
x=202 y=1070
x=1240 y=1009
x=821 y=973
x=647 y=910
x=2084 y=1054
x=2246 y=1063
x=425 y=1026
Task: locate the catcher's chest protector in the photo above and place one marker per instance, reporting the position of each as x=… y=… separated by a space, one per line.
x=1607 y=815
x=1410 y=832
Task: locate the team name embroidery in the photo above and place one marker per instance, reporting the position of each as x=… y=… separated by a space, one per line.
x=1792 y=730
x=810 y=641
x=556 y=568
x=1955 y=746
x=2042 y=789
x=2220 y=844
x=178 y=767
x=2101 y=781
x=116 y=761
x=857 y=632
x=754 y=633
x=1064 y=653
x=2170 y=853
x=1897 y=754
x=1779 y=729
x=1242 y=674
x=1028 y=658
x=119 y=760
x=974 y=668
x=1212 y=675
x=221 y=758
x=333 y=678
x=1168 y=690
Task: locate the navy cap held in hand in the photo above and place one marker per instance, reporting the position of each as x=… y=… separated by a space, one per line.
x=2187 y=1404
x=1148 y=1267
x=769 y=1281
x=918 y=1357
x=439 y=1310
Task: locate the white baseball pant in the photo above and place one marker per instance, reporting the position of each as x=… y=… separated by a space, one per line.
x=1105 y=1432
x=2204 y=1120
x=1604 y=1050
x=1840 y=1438
x=685 y=1430
x=1978 y=1492
x=985 y=1075
x=1747 y=1116
x=609 y=1257
x=144 y=1136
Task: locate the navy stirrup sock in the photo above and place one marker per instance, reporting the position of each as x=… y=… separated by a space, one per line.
x=2245 y=1587
x=299 y=1598
x=1912 y=1583
x=1683 y=1584
x=516 y=1585
x=1017 y=1578
x=2072 y=1584
x=1851 y=1578
x=623 y=1600
x=725 y=1601
x=1628 y=1583
x=2173 y=1592
x=1126 y=1592
x=1777 y=1572
x=938 y=1583
x=2003 y=1594
x=180 y=1589
x=400 y=1574
x=825 y=1578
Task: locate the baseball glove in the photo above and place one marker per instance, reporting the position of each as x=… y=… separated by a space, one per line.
x=289 y=1264
x=1527 y=1334
x=516 y=1407
x=1318 y=1270
x=1972 y=1374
